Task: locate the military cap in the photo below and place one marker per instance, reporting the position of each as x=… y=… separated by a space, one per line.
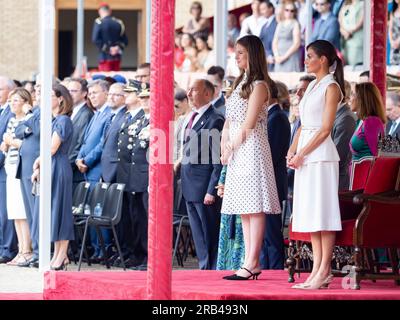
x=133 y=86
x=144 y=90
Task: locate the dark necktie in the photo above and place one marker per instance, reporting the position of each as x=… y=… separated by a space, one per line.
x=190 y=125
x=1 y=110
x=108 y=124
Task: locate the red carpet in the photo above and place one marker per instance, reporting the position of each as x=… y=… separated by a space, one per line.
x=21 y=296
x=202 y=285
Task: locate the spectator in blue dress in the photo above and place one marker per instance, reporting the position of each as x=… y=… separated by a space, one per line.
x=62 y=226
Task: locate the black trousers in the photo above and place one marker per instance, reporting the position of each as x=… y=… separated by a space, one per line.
x=132 y=229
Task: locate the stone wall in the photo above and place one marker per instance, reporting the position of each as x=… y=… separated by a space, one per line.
x=19 y=38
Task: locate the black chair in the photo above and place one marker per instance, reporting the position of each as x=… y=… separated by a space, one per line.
x=110 y=216
x=79 y=200
x=80 y=197
x=96 y=196
x=180 y=223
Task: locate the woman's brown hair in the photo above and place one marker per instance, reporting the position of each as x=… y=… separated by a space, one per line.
x=257 y=65
x=369 y=101
x=66 y=103
x=23 y=94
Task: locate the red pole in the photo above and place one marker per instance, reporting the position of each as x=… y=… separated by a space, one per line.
x=378 y=44
x=159 y=271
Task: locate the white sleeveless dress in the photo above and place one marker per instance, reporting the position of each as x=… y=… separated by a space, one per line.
x=15 y=203
x=250 y=185
x=315 y=194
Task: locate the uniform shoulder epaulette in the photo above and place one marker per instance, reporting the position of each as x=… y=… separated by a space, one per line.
x=98 y=20
x=121 y=24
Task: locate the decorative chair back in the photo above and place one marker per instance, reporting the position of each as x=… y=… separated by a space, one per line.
x=360 y=170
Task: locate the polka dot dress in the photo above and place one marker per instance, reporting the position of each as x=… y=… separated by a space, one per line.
x=250 y=181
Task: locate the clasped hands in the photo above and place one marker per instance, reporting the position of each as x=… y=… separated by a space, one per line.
x=115 y=50
x=294 y=160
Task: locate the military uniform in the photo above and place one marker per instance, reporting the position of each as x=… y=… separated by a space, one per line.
x=109 y=32
x=133 y=171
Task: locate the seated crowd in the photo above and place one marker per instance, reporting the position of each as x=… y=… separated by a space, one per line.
x=281 y=25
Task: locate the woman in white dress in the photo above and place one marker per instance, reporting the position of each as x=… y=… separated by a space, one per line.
x=15 y=204
x=314 y=157
x=250 y=188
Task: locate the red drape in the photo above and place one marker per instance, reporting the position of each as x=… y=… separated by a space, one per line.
x=378 y=44
x=160 y=176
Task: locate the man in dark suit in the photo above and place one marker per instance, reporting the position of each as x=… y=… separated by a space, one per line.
x=110 y=38
x=81 y=116
x=200 y=171
x=109 y=157
x=216 y=76
x=267 y=34
x=393 y=114
x=342 y=131
x=8 y=243
x=133 y=171
x=88 y=159
x=326 y=27
x=272 y=253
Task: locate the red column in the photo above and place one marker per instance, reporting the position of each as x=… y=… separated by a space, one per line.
x=378 y=44
x=160 y=176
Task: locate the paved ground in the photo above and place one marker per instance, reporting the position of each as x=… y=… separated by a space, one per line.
x=28 y=280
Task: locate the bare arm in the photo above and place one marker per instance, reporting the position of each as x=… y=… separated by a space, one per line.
x=275 y=42
x=343 y=31
x=256 y=103
x=55 y=143
x=225 y=136
x=359 y=24
x=296 y=42
x=332 y=99
x=293 y=147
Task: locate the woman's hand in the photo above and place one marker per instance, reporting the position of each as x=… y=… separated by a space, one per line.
x=36 y=164
x=35 y=176
x=227 y=153
x=4 y=147
x=7 y=138
x=27 y=108
x=220 y=190
x=289 y=157
x=296 y=161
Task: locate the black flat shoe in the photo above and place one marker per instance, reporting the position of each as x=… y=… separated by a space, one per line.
x=252 y=276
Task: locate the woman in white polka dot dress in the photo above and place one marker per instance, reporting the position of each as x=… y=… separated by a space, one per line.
x=250 y=188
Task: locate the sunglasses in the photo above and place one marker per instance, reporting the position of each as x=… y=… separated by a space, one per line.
x=289 y=10
x=320 y=3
